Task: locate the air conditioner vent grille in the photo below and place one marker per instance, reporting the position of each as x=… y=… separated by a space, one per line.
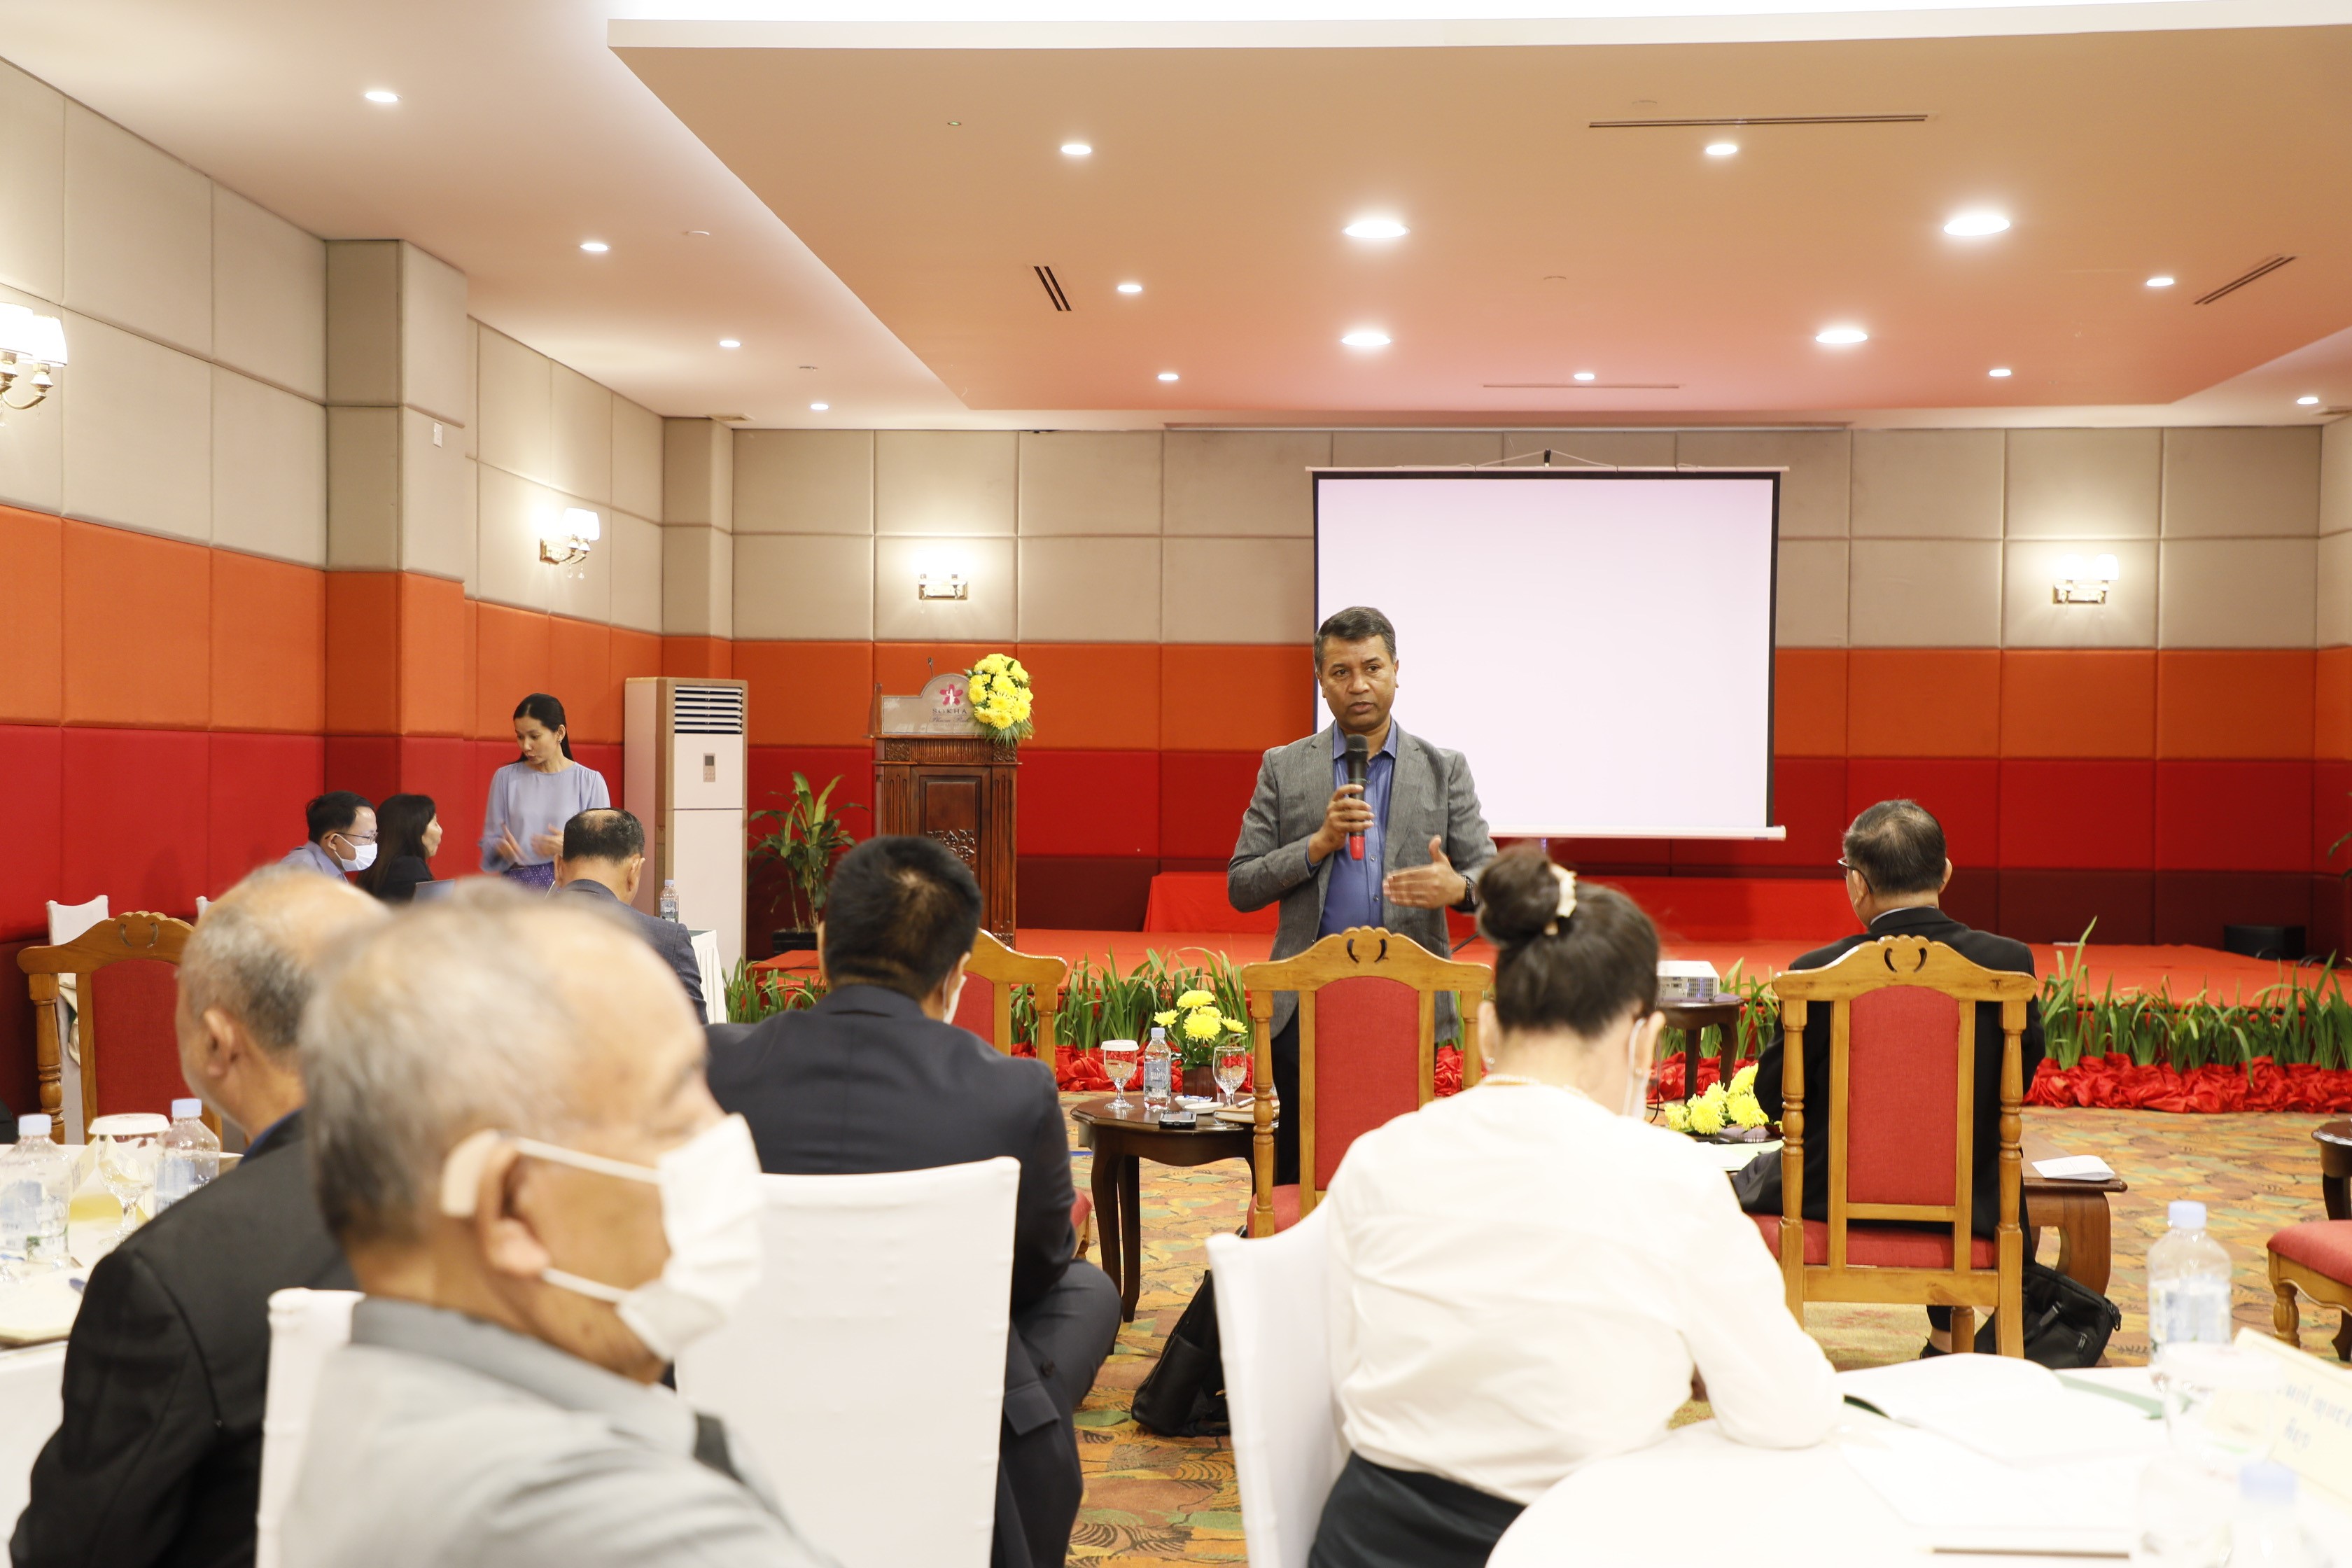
x=708 y=710
x=1053 y=288
x=2261 y=270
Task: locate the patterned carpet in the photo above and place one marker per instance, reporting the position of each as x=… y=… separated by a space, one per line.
x=1156 y=1500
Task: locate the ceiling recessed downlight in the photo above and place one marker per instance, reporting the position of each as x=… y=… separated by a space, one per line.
x=1366 y=338
x=1999 y=373
x=594 y=246
x=381 y=95
x=731 y=343
x=1840 y=337
x=1376 y=228
x=1721 y=149
x=1166 y=376
x=2306 y=401
x=1131 y=287
x=2161 y=280
x=1976 y=225
x=1584 y=375
x=1076 y=150
x=819 y=407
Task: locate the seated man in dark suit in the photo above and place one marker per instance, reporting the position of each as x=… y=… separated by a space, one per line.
x=1896 y=872
x=603 y=861
x=158 y=1459
x=874 y=1079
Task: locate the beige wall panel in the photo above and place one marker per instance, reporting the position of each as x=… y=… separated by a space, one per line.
x=636 y=459
x=362 y=321
x=945 y=483
x=439 y=490
x=697 y=472
x=2335 y=477
x=2225 y=483
x=636 y=550
x=1090 y=481
x=2084 y=484
x=1924 y=593
x=583 y=592
x=1399 y=448
x=1814 y=492
x=474 y=389
x=803 y=481
x=2238 y=593
x=698 y=581
x=1237 y=590
x=269 y=296
x=364 y=489
x=507 y=569
x=1089 y=590
x=805 y=586
x=1810 y=605
x=32 y=440
x=269 y=470
x=138 y=432
x=517 y=408
x=435 y=338
x=583 y=433
x=2029 y=620
x=2335 y=591
x=138 y=233
x=1241 y=481
x=32 y=185
x=1623 y=448
x=1927 y=484
x=987 y=615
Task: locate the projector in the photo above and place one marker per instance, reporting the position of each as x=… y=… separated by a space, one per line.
x=1687 y=980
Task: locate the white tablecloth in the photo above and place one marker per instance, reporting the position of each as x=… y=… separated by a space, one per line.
x=714 y=979
x=30 y=1381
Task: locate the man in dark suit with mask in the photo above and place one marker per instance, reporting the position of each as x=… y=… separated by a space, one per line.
x=875 y=1079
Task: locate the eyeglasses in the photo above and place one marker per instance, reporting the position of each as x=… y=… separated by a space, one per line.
x=1851 y=870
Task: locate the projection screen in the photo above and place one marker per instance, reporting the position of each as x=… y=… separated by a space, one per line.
x=1597 y=644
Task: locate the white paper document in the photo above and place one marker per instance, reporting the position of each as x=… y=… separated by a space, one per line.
x=2073 y=1168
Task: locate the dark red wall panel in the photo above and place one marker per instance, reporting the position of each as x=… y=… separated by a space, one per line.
x=2193 y=906
x=1093 y=804
x=1202 y=796
x=1808 y=799
x=1075 y=892
x=2232 y=816
x=30 y=781
x=136 y=818
x=2056 y=906
x=259 y=786
x=2091 y=815
x=1963 y=793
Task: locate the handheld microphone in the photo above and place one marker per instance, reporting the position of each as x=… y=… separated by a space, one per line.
x=1357 y=754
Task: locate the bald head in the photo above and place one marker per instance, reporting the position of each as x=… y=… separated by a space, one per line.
x=255 y=953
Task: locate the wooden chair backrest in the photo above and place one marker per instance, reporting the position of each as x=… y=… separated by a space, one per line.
x=143 y=936
x=1896 y=1120
x=1004 y=969
x=1363 y=953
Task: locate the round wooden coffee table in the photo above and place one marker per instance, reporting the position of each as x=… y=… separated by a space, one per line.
x=1121 y=1141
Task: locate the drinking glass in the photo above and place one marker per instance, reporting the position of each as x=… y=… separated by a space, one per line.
x=129 y=1149
x=2221 y=1404
x=1232 y=1065
x=1118 y=1065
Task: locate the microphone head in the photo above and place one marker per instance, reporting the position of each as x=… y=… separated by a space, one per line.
x=1356 y=750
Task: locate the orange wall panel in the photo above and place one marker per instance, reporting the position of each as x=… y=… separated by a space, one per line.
x=362 y=653
x=697 y=656
x=580 y=674
x=900 y=667
x=511 y=662
x=807 y=693
x=1923 y=702
x=436 y=697
x=268 y=644
x=1809 y=702
x=1236 y=697
x=32 y=632
x=138 y=633
x=2078 y=702
x=2331 y=735
x=633 y=654
x=2243 y=703
x=1102 y=697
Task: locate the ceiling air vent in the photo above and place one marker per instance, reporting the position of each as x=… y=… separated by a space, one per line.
x=1053 y=288
x=2261 y=270
x=1582 y=386
x=1759 y=120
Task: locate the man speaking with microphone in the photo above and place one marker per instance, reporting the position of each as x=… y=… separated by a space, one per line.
x=1358 y=825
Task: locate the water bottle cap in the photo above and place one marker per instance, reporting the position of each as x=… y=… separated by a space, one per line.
x=34 y=1126
x=2184 y=1214
x=669 y=882
x=2266 y=1481
x=187 y=1109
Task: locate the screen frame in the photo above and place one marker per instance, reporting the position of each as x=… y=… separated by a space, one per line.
x=1317 y=474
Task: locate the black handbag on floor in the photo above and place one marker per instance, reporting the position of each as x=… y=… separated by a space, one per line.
x=1185 y=1397
x=2067 y=1323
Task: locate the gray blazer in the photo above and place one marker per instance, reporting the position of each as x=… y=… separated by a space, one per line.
x=1430 y=795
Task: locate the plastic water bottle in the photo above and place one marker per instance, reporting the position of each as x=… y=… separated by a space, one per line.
x=37 y=1182
x=669 y=900
x=2187 y=1283
x=1158 y=1068
x=191 y=1154
x=2265 y=1533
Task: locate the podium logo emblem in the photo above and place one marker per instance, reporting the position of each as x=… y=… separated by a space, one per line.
x=949 y=698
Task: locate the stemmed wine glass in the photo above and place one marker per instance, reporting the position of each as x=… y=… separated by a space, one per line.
x=1118 y=1065
x=1232 y=1065
x=129 y=1149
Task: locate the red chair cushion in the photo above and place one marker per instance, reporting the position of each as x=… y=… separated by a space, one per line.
x=976 y=1008
x=1082 y=1209
x=1367 y=1062
x=2321 y=1245
x=1881 y=1245
x=1902 y=1118
x=130 y=1005
x=1286 y=1207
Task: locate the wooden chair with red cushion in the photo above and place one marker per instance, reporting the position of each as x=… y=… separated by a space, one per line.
x=987 y=1000
x=124 y=968
x=1901 y=1093
x=2315 y=1258
x=1366 y=1051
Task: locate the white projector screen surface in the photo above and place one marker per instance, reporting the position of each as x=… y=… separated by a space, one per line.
x=1557 y=628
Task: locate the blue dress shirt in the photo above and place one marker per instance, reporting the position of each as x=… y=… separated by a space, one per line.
x=1352 y=897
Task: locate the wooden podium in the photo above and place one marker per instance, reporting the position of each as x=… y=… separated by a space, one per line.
x=960 y=789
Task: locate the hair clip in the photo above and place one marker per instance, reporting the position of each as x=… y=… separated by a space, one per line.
x=1567 y=900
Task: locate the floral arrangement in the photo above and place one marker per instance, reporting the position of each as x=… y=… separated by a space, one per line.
x=999 y=691
x=1202 y=1024
x=1719 y=1108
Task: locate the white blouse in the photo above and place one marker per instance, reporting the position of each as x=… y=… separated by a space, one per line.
x=1521 y=1282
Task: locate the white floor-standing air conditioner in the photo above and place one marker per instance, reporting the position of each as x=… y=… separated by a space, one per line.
x=685 y=780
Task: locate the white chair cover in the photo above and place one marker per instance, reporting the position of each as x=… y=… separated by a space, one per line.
x=68 y=921
x=866 y=1376
x=1276 y=1340
x=304 y=1326
x=30 y=1409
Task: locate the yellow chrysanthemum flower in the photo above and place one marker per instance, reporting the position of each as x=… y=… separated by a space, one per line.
x=1165 y=1019
x=1745 y=1079
x=1744 y=1111
x=1707 y=1119
x=1201 y=1024
x=1235 y=1026
x=1716 y=1095
x=1197 y=998
x=1677 y=1118
x=993 y=663
x=1019 y=674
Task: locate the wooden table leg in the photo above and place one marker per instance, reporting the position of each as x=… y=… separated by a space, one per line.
x=1690 y=1064
x=1130 y=1236
x=2335 y=1177
x=2086 y=1235
x=1107 y=1225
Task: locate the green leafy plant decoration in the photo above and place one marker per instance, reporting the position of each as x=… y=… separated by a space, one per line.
x=806 y=839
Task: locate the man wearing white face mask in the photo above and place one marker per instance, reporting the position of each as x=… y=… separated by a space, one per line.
x=512 y=1139
x=1482 y=1353
x=342 y=834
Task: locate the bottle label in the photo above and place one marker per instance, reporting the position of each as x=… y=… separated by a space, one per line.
x=1155 y=1077
x=2192 y=1310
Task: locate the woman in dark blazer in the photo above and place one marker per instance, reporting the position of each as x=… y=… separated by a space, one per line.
x=408 y=830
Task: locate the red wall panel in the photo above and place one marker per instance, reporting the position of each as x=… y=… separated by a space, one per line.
x=1963 y=793
x=258 y=787
x=2093 y=815
x=1808 y=799
x=441 y=766
x=1202 y=796
x=364 y=651
x=2331 y=814
x=1089 y=804
x=365 y=764
x=2059 y=905
x=136 y=818
x=31 y=801
x=2232 y=816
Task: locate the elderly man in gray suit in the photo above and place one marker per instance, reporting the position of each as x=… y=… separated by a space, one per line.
x=1425 y=841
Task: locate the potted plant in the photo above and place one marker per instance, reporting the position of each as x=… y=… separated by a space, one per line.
x=806 y=839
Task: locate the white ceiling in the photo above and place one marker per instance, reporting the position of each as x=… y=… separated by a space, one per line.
x=521 y=132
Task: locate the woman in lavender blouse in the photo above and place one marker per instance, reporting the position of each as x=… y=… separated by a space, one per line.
x=532 y=797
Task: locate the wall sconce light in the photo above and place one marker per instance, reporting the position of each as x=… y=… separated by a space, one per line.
x=942 y=585
x=566 y=540
x=2081 y=585
x=31 y=347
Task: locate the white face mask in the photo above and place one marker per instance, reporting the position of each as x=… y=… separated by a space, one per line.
x=363 y=856
x=710 y=1202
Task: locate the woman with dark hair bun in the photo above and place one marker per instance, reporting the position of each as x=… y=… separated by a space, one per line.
x=1526 y=1277
x=533 y=796
x=408 y=832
